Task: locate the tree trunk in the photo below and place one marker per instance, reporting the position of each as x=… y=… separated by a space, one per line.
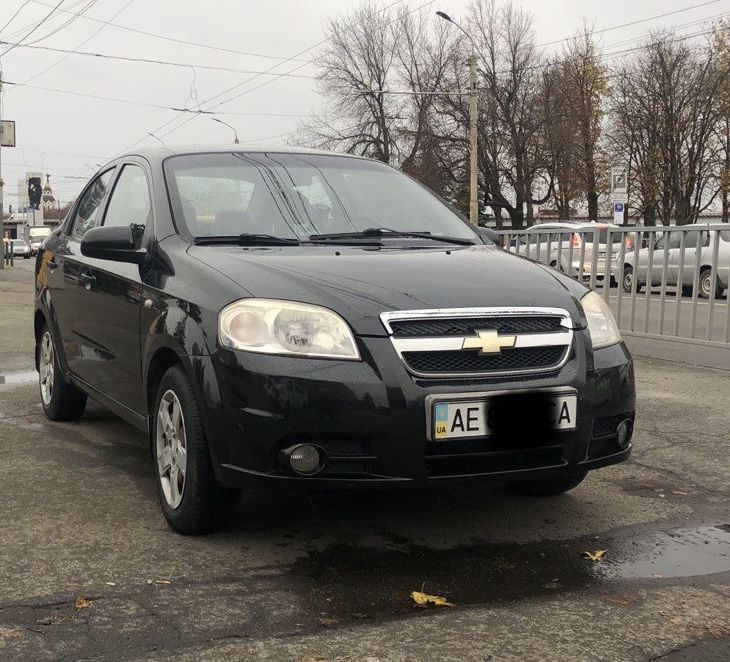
x=650 y=216
x=592 y=200
x=682 y=211
x=517 y=214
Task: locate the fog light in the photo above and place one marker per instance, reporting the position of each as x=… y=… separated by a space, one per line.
x=305 y=459
x=623 y=433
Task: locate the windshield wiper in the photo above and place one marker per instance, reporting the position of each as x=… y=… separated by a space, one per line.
x=247 y=239
x=369 y=233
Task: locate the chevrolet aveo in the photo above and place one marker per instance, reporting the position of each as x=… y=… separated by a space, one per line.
x=319 y=320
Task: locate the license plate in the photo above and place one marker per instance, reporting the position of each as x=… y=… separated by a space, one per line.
x=504 y=414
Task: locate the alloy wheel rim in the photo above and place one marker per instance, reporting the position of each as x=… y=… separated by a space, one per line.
x=171 y=448
x=46 y=368
x=628 y=278
x=707 y=285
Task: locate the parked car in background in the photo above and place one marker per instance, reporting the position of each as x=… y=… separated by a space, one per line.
x=18 y=247
x=318 y=320
x=566 y=245
x=699 y=248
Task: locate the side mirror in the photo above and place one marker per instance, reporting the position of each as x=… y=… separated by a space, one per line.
x=116 y=243
x=489 y=236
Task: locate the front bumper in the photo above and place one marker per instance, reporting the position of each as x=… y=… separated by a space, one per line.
x=370 y=418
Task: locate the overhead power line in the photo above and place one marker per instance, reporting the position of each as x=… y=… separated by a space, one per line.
x=83 y=43
x=128 y=58
x=169 y=38
x=630 y=23
x=41 y=22
x=144 y=104
x=277 y=77
x=17 y=11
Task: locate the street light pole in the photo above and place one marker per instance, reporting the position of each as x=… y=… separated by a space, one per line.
x=473 y=172
x=473 y=111
x=235 y=133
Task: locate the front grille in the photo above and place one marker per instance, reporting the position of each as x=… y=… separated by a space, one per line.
x=469 y=342
x=469 y=325
x=525 y=358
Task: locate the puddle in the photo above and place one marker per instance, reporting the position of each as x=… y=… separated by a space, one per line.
x=20 y=377
x=679 y=553
x=361 y=582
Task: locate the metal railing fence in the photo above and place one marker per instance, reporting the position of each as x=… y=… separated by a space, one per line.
x=665 y=282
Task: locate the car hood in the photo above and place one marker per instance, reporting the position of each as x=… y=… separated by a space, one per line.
x=361 y=282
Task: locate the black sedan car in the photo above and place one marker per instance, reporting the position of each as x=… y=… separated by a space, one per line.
x=320 y=320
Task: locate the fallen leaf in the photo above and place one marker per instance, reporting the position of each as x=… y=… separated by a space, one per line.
x=618 y=599
x=423 y=600
x=82 y=603
x=594 y=556
x=325 y=620
x=162 y=582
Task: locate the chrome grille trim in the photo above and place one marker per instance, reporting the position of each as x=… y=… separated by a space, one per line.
x=454 y=343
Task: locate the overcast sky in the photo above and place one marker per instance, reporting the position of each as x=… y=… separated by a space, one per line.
x=68 y=136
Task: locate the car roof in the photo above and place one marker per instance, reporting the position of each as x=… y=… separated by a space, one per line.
x=161 y=152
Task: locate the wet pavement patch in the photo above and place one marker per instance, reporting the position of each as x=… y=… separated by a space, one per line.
x=349 y=581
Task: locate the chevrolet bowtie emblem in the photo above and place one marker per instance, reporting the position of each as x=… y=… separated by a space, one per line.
x=489 y=342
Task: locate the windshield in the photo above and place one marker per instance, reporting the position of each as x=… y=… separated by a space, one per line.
x=298 y=196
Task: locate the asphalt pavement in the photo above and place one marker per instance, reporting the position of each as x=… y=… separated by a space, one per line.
x=89 y=569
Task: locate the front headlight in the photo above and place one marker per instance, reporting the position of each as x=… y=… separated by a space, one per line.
x=601 y=324
x=270 y=326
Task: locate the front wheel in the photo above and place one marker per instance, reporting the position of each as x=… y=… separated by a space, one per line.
x=549 y=486
x=61 y=401
x=191 y=498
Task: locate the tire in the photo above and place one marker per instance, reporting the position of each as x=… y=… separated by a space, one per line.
x=549 y=486
x=626 y=281
x=61 y=401
x=192 y=501
x=705 y=290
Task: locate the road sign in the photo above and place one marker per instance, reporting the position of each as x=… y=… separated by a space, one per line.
x=7 y=133
x=619 y=197
x=619 y=182
x=618 y=213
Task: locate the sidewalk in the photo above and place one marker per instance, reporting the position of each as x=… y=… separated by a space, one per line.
x=16 y=316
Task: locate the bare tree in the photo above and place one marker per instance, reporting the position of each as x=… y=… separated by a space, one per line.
x=357 y=65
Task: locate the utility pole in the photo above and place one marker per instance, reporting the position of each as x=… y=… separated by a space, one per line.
x=473 y=166
x=2 y=185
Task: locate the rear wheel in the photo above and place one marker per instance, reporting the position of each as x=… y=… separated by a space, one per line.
x=628 y=280
x=61 y=401
x=549 y=486
x=191 y=498
x=706 y=284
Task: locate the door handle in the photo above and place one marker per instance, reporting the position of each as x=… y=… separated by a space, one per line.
x=87 y=279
